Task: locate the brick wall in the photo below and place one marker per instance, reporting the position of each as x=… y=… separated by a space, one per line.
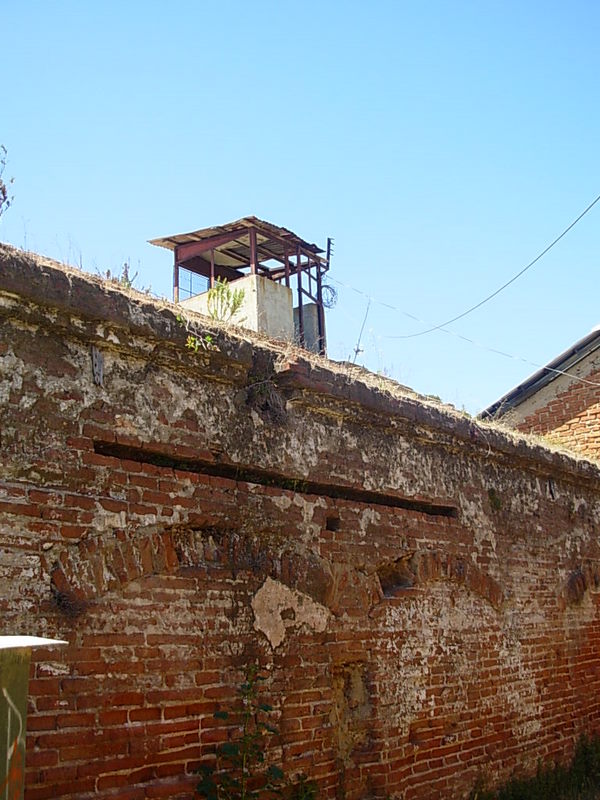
x=569 y=412
x=421 y=591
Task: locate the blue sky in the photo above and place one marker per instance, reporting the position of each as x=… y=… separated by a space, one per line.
x=442 y=144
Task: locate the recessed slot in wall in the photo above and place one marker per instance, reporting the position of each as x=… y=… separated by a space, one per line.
x=251 y=474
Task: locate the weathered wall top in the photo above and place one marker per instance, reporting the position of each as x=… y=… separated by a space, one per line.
x=48 y=283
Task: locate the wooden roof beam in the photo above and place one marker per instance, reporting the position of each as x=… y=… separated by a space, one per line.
x=291 y=244
x=200 y=266
x=183 y=252
x=269 y=254
x=280 y=273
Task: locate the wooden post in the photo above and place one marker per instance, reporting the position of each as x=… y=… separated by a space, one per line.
x=286 y=263
x=212 y=268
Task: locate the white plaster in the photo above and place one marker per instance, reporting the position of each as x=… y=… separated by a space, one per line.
x=283 y=501
x=480 y=525
x=54 y=668
x=272 y=599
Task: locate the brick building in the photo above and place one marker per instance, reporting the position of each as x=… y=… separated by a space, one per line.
x=421 y=590
x=561 y=400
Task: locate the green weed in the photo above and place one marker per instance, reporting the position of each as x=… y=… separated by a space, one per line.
x=240 y=770
x=579 y=781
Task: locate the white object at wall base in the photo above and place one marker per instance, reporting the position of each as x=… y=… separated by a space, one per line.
x=27 y=641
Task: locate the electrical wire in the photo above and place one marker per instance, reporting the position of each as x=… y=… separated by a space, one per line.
x=481 y=346
x=504 y=285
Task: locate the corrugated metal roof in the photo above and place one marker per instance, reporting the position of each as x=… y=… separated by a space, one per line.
x=234 y=252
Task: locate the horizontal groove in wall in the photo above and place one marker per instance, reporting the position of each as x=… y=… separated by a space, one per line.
x=267 y=478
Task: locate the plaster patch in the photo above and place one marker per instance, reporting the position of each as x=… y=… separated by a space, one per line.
x=480 y=524
x=276 y=608
x=283 y=502
x=53 y=668
x=369 y=517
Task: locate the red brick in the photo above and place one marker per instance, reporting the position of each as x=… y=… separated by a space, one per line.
x=408 y=695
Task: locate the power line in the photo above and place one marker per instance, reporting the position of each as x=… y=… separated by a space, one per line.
x=481 y=346
x=508 y=283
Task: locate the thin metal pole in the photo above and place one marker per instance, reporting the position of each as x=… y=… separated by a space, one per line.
x=320 y=312
x=175 y=279
x=253 y=251
x=300 y=309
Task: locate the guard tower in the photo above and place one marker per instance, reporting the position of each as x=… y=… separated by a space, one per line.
x=280 y=273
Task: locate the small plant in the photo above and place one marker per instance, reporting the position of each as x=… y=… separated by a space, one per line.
x=196 y=341
x=223 y=302
x=579 y=781
x=302 y=789
x=123 y=279
x=5 y=198
x=240 y=770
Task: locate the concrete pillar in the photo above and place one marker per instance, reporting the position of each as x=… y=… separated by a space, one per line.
x=15 y=653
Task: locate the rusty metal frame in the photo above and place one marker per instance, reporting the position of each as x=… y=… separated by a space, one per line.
x=241 y=244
